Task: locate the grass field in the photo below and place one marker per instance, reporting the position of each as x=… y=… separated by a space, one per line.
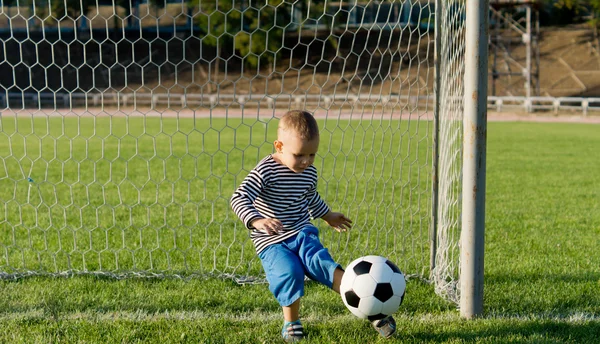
x=542 y=260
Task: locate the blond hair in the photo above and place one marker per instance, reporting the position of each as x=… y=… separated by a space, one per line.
x=301 y=123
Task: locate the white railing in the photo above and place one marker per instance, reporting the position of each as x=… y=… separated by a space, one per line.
x=171 y=100
x=115 y=99
x=554 y=104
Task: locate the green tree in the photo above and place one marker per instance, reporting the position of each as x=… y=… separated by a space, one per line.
x=590 y=7
x=261 y=38
x=579 y=4
x=252 y=29
x=322 y=13
x=132 y=6
x=72 y=8
x=219 y=22
x=55 y=10
x=51 y=11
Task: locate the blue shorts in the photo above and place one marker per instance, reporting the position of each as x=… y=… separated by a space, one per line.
x=286 y=263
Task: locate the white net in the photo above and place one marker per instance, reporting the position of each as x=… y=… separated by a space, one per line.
x=126 y=127
x=451 y=66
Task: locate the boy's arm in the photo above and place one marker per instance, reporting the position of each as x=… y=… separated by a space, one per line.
x=243 y=198
x=317 y=208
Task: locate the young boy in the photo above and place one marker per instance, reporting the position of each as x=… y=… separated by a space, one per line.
x=276 y=202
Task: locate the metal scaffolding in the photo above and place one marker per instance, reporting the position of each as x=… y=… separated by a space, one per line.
x=512 y=23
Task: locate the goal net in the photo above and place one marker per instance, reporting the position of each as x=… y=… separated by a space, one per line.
x=126 y=126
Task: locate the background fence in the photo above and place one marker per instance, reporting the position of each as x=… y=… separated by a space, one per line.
x=585 y=106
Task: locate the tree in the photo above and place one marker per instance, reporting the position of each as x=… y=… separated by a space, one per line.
x=71 y=8
x=252 y=29
x=218 y=21
x=51 y=11
x=132 y=6
x=261 y=38
x=579 y=4
x=322 y=13
x=59 y=9
x=591 y=7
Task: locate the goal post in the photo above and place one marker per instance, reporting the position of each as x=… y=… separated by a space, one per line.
x=125 y=129
x=474 y=162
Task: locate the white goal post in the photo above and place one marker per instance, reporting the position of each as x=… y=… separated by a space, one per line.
x=125 y=126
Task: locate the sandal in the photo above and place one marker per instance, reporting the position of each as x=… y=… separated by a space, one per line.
x=293 y=332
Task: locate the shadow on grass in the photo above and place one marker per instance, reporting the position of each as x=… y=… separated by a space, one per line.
x=515 y=332
x=451 y=330
x=545 y=277
x=548 y=295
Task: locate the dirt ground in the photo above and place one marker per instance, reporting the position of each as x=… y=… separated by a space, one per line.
x=569 y=64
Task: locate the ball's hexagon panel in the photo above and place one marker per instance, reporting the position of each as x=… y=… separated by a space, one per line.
x=370 y=306
x=364 y=285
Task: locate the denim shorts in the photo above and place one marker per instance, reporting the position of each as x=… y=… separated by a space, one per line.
x=286 y=263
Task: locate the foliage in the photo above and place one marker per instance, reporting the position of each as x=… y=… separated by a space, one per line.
x=8 y=2
x=262 y=40
x=220 y=21
x=255 y=30
x=59 y=9
x=579 y=4
x=589 y=7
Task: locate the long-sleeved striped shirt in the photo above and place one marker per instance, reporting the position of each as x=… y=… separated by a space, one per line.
x=271 y=190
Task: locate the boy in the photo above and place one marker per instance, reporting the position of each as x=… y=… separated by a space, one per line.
x=276 y=202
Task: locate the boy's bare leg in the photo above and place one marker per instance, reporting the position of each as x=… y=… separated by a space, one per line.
x=337 y=279
x=292 y=312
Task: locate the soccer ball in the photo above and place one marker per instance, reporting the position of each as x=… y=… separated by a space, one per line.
x=372 y=287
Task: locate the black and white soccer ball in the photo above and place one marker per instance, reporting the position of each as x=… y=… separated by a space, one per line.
x=372 y=287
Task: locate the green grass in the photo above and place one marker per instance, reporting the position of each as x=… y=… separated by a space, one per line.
x=541 y=268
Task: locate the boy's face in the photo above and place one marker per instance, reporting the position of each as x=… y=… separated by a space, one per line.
x=296 y=153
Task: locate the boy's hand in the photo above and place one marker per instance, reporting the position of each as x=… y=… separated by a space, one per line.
x=270 y=226
x=338 y=221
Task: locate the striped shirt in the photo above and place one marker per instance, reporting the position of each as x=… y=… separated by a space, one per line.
x=272 y=190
